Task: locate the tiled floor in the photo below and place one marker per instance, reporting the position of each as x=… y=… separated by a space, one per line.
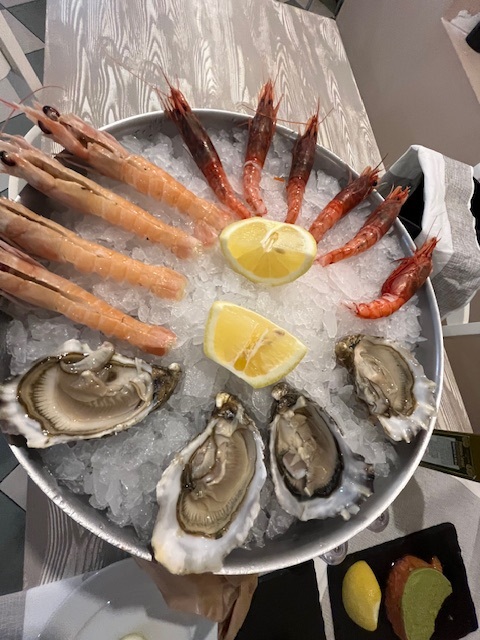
x=27 y=21
x=13 y=491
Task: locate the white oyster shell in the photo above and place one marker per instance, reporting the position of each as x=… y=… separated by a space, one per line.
x=392 y=383
x=79 y=393
x=315 y=473
x=201 y=518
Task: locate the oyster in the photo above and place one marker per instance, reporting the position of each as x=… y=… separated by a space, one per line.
x=80 y=393
x=208 y=497
x=315 y=473
x=391 y=382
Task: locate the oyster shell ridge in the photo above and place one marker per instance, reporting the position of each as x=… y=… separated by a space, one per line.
x=181 y=552
x=354 y=485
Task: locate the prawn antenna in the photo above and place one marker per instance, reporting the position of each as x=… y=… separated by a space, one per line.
x=381 y=162
x=123 y=65
x=304 y=123
x=427 y=236
x=16 y=106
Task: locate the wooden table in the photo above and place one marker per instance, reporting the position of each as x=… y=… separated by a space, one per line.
x=220 y=51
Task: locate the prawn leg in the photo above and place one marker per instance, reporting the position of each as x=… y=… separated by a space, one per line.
x=303 y=156
x=347 y=199
x=260 y=134
x=23 y=278
x=202 y=150
x=401 y=285
x=50 y=177
x=105 y=154
x=374 y=228
x=44 y=238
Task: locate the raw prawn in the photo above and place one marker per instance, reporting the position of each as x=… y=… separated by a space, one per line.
x=106 y=155
x=401 y=285
x=74 y=190
x=44 y=238
x=375 y=227
x=260 y=135
x=303 y=156
x=203 y=152
x=23 y=278
x=344 y=201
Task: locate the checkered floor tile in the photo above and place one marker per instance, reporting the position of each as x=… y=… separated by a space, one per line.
x=27 y=21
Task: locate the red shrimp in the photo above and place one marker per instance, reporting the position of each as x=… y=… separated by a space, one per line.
x=401 y=284
x=344 y=201
x=203 y=152
x=375 y=227
x=303 y=156
x=260 y=135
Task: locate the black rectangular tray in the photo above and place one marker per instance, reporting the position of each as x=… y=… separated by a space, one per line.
x=456 y=619
x=285 y=606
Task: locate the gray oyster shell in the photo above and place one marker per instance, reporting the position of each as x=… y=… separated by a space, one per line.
x=314 y=471
x=209 y=495
x=391 y=382
x=80 y=393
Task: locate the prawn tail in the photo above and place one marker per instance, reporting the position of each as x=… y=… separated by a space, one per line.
x=327 y=218
x=205 y=233
x=251 y=187
x=364 y=239
x=329 y=258
x=318 y=231
x=236 y=206
x=379 y=308
x=295 y=192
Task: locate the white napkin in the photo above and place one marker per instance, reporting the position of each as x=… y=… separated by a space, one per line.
x=41 y=602
x=448 y=190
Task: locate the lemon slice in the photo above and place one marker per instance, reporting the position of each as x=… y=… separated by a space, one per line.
x=361 y=595
x=250 y=346
x=268 y=252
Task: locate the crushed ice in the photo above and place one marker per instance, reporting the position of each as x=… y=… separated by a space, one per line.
x=120 y=472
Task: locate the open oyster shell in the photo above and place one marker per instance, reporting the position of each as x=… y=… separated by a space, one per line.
x=81 y=393
x=314 y=471
x=391 y=382
x=208 y=497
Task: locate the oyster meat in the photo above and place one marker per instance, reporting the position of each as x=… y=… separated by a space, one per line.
x=314 y=471
x=208 y=497
x=391 y=382
x=81 y=393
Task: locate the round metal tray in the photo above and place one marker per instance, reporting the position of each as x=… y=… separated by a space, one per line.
x=304 y=540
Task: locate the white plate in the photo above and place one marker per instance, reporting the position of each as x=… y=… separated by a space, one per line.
x=119 y=600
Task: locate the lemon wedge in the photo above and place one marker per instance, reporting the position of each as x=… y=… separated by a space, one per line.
x=361 y=595
x=268 y=252
x=250 y=346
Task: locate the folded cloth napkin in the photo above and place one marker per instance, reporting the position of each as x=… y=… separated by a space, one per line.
x=222 y=599
x=441 y=191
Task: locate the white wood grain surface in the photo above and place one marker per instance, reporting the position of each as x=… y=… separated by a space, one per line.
x=219 y=52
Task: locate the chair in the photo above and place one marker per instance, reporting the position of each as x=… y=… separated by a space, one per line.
x=12 y=57
x=11 y=52
x=457 y=324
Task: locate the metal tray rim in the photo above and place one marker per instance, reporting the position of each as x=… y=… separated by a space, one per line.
x=48 y=484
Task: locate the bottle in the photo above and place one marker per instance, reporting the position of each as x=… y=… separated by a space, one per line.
x=473 y=38
x=454 y=452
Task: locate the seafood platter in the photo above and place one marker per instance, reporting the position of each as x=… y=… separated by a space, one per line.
x=231 y=358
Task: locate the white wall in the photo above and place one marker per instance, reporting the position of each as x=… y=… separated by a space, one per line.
x=414 y=87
